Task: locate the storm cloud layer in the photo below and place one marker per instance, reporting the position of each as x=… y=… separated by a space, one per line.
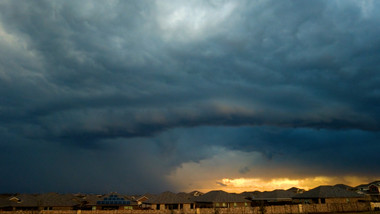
x=118 y=95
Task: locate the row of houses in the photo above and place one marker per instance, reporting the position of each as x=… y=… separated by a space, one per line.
x=338 y=194
x=55 y=201
x=372 y=190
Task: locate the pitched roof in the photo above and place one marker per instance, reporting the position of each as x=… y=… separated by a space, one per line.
x=149 y=195
x=275 y=194
x=170 y=198
x=22 y=200
x=296 y=190
x=249 y=194
x=115 y=199
x=141 y=198
x=343 y=186
x=196 y=193
x=220 y=196
x=328 y=192
x=58 y=200
x=362 y=186
x=36 y=200
x=375 y=182
x=4 y=202
x=90 y=199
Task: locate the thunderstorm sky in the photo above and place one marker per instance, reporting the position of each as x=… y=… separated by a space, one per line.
x=147 y=96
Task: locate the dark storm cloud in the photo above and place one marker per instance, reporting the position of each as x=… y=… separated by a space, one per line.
x=298 y=79
x=87 y=74
x=310 y=151
x=36 y=166
x=303 y=151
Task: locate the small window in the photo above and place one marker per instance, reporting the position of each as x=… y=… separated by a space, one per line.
x=157 y=206
x=191 y=206
x=224 y=204
x=217 y=205
x=235 y=205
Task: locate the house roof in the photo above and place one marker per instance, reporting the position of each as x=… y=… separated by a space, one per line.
x=364 y=186
x=141 y=198
x=296 y=190
x=274 y=195
x=343 y=186
x=115 y=199
x=220 y=196
x=5 y=195
x=375 y=183
x=170 y=198
x=40 y=200
x=196 y=193
x=328 y=192
x=149 y=195
x=58 y=200
x=90 y=199
x=4 y=202
x=249 y=194
x=20 y=200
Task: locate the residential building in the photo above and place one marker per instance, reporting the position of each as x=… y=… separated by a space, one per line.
x=221 y=199
x=328 y=194
x=171 y=201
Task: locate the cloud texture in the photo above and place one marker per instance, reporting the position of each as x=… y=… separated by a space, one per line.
x=121 y=93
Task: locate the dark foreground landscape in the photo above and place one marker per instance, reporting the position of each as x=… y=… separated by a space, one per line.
x=339 y=198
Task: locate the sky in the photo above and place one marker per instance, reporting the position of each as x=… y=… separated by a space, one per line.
x=146 y=96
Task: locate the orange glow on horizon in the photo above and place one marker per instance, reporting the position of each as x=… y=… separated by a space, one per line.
x=252 y=184
x=238 y=185
x=207 y=175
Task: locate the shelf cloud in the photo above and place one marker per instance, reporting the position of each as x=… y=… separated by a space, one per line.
x=126 y=94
